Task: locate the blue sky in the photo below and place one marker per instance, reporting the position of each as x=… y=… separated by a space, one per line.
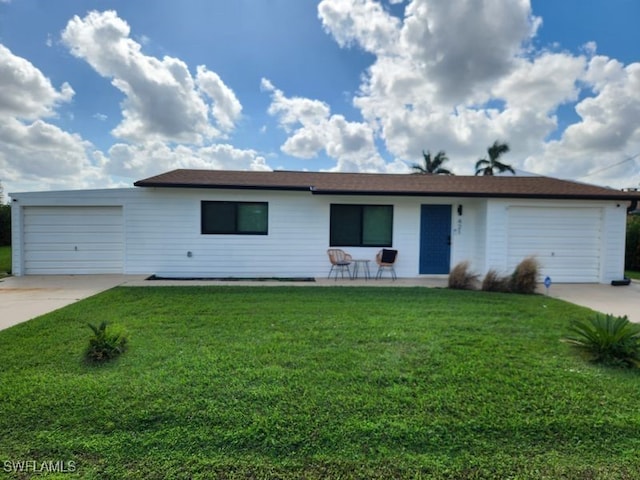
x=102 y=93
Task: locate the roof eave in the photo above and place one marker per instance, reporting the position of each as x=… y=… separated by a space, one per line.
x=221 y=187
x=618 y=196
x=478 y=195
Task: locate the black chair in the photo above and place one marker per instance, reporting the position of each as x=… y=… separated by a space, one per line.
x=386 y=259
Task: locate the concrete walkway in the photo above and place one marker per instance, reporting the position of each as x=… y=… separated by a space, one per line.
x=23 y=298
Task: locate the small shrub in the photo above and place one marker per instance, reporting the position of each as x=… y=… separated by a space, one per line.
x=525 y=277
x=104 y=345
x=461 y=278
x=494 y=282
x=5 y=223
x=632 y=249
x=607 y=339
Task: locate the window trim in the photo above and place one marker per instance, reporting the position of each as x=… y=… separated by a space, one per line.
x=235 y=231
x=360 y=242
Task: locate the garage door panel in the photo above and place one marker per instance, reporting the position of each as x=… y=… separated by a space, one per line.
x=70 y=229
x=87 y=268
x=88 y=219
x=582 y=247
x=73 y=256
x=556 y=254
x=73 y=240
x=566 y=241
x=63 y=247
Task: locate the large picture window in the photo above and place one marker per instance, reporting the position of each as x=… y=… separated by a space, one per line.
x=361 y=225
x=239 y=218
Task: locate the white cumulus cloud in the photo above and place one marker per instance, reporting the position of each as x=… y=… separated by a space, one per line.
x=313 y=129
x=35 y=153
x=26 y=93
x=163 y=101
x=153 y=158
x=457 y=75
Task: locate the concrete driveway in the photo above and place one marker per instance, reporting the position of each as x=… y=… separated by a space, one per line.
x=619 y=301
x=23 y=298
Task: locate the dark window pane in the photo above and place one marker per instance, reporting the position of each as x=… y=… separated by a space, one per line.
x=361 y=225
x=249 y=218
x=218 y=217
x=252 y=218
x=377 y=225
x=345 y=225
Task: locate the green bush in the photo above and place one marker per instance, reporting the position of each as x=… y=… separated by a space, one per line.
x=5 y=260
x=494 y=282
x=632 y=250
x=607 y=339
x=5 y=225
x=461 y=278
x=525 y=277
x=104 y=345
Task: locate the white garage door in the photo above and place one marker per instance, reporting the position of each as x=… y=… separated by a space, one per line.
x=73 y=240
x=566 y=241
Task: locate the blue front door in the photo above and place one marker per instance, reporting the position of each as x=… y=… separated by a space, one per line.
x=435 y=239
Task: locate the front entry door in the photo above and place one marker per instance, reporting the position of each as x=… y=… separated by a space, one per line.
x=435 y=239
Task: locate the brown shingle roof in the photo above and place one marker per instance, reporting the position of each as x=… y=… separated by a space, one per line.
x=387 y=184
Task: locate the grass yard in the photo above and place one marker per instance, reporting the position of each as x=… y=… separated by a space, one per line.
x=316 y=383
x=5 y=260
x=632 y=274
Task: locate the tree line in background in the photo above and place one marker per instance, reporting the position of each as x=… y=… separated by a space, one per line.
x=632 y=251
x=5 y=220
x=485 y=166
x=5 y=225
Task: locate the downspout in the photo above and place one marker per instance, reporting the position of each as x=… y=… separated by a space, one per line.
x=633 y=206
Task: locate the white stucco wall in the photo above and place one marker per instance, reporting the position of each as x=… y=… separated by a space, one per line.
x=161 y=225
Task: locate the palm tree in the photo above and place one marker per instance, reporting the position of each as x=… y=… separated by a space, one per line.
x=487 y=167
x=432 y=166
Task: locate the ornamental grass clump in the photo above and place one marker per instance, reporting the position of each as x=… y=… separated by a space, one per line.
x=494 y=282
x=525 y=277
x=104 y=345
x=461 y=278
x=607 y=339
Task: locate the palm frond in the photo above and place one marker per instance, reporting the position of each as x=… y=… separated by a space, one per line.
x=606 y=338
x=498 y=149
x=432 y=165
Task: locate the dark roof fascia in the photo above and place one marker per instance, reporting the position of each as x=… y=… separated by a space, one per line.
x=220 y=187
x=314 y=191
x=539 y=196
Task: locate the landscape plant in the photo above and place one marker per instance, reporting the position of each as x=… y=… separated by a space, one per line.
x=5 y=261
x=524 y=278
x=462 y=278
x=105 y=344
x=5 y=224
x=632 y=245
x=607 y=339
x=494 y=282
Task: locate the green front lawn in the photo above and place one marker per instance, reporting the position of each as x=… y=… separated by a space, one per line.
x=632 y=274
x=5 y=260
x=316 y=383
